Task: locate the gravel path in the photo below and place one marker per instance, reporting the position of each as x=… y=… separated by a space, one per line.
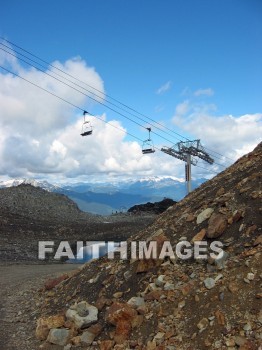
x=18 y=284
x=20 y=275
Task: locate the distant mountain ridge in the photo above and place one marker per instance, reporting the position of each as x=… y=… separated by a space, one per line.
x=16 y=182
x=106 y=197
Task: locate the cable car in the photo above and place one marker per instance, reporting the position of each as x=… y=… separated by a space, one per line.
x=86 y=127
x=148 y=146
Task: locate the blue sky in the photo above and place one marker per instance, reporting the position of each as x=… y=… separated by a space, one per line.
x=179 y=62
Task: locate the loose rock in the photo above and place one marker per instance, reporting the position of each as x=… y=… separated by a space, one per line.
x=204 y=215
x=217 y=224
x=209 y=283
x=59 y=336
x=82 y=314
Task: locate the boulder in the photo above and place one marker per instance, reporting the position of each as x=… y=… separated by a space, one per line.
x=59 y=336
x=90 y=334
x=44 y=324
x=217 y=225
x=121 y=315
x=204 y=215
x=82 y=314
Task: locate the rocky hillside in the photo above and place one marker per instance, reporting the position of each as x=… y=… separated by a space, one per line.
x=29 y=214
x=172 y=303
x=156 y=207
x=38 y=203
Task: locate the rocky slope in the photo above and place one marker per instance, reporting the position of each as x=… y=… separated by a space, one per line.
x=175 y=304
x=29 y=214
x=38 y=203
x=171 y=303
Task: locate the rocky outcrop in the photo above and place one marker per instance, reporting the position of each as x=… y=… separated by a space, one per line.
x=156 y=208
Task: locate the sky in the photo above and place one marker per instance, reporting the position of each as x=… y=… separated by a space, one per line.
x=193 y=67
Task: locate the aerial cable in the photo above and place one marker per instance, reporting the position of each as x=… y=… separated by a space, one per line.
x=155 y=122
x=83 y=110
x=81 y=92
x=21 y=59
x=70 y=103
x=130 y=119
x=103 y=94
x=92 y=98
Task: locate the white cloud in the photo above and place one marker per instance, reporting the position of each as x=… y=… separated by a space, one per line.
x=164 y=88
x=57 y=148
x=8 y=60
x=182 y=108
x=23 y=104
x=228 y=135
x=204 y=92
x=40 y=134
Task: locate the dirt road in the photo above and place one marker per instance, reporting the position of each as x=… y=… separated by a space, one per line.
x=18 y=275
x=18 y=313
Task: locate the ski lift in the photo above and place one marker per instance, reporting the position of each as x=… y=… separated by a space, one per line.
x=86 y=127
x=148 y=146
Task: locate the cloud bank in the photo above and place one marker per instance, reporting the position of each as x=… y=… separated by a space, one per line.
x=227 y=135
x=40 y=134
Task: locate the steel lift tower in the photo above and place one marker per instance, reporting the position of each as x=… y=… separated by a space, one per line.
x=188 y=151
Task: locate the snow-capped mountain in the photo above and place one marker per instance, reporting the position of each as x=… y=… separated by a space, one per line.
x=124 y=184
x=105 y=197
x=16 y=182
x=159 y=179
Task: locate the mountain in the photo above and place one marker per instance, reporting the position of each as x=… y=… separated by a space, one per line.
x=182 y=300
x=16 y=182
x=105 y=198
x=104 y=203
x=31 y=214
x=37 y=203
x=156 y=186
x=160 y=187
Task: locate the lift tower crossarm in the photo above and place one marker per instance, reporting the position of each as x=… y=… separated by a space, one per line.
x=185 y=150
x=172 y=152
